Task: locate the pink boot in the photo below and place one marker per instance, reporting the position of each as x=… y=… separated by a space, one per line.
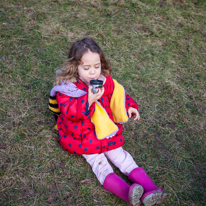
x=152 y=194
x=116 y=185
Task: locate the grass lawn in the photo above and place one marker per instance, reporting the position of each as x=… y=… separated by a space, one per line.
x=157 y=49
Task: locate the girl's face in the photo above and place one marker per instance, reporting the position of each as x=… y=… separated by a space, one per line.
x=90 y=68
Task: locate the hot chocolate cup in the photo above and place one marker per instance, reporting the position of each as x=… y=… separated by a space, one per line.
x=96 y=84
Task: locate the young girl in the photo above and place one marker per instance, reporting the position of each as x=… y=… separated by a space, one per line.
x=90 y=124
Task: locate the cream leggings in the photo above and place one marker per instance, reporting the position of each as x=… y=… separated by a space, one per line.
x=119 y=157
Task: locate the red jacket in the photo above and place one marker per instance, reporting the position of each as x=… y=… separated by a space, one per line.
x=76 y=131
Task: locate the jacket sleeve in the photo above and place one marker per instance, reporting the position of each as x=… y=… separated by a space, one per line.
x=75 y=109
x=129 y=102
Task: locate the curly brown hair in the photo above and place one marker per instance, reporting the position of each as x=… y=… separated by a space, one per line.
x=69 y=70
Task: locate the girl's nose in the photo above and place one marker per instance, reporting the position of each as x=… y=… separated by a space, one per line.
x=92 y=70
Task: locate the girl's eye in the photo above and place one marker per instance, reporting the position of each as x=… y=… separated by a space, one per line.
x=97 y=67
x=85 y=68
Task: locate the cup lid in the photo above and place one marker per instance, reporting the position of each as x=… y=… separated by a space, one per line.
x=96 y=81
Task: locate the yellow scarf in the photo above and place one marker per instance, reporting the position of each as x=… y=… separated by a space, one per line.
x=104 y=126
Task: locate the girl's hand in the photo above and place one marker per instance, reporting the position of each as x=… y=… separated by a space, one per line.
x=94 y=97
x=131 y=111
